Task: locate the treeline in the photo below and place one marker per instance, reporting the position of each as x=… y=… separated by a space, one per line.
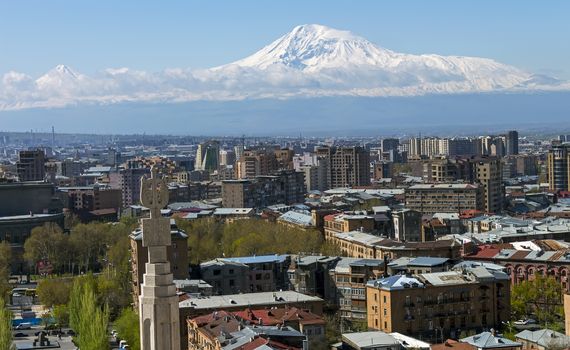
x=88 y=247
x=210 y=238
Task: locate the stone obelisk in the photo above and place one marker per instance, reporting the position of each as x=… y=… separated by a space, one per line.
x=159 y=319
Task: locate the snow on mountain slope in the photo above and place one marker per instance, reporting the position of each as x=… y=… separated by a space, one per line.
x=334 y=53
x=311 y=60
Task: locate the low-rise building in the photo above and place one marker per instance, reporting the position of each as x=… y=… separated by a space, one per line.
x=377 y=340
x=491 y=341
x=193 y=307
x=542 y=339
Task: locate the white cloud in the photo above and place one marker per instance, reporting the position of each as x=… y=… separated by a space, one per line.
x=309 y=61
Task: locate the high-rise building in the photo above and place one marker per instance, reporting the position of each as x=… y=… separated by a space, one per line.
x=315 y=176
x=287 y=187
x=227 y=157
x=488 y=174
x=207 y=156
x=348 y=166
x=31 y=165
x=558 y=166
x=130 y=182
x=390 y=144
x=512 y=146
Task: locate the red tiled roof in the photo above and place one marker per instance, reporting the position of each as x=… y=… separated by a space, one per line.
x=489 y=250
x=452 y=344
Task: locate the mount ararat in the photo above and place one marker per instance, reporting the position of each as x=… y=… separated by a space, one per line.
x=310 y=61
x=314 y=80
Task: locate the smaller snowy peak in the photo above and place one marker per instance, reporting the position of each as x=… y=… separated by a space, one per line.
x=60 y=76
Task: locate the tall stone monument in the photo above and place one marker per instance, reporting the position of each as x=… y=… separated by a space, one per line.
x=158 y=303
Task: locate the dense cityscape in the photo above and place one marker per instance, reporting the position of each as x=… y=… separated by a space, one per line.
x=284 y=175
x=293 y=242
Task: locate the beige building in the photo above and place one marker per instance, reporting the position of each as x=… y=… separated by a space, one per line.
x=439 y=305
x=444 y=198
x=345 y=222
x=488 y=174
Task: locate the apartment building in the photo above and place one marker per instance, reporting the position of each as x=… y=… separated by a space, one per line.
x=440 y=304
x=558 y=167
x=347 y=222
x=31 y=165
x=348 y=166
x=286 y=187
x=350 y=276
x=444 y=198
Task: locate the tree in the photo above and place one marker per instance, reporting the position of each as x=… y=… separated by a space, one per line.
x=61 y=315
x=210 y=238
x=46 y=242
x=5 y=327
x=53 y=291
x=87 y=317
x=5 y=258
x=541 y=296
x=128 y=327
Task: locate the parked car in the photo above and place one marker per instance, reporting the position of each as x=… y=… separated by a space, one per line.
x=24 y=325
x=20 y=335
x=526 y=322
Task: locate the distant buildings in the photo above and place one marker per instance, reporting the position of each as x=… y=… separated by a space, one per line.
x=286 y=187
x=558 y=167
x=31 y=165
x=207 y=156
x=347 y=166
x=263 y=161
x=130 y=182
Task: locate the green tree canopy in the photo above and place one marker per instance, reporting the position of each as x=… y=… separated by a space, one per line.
x=128 y=327
x=210 y=238
x=5 y=327
x=541 y=296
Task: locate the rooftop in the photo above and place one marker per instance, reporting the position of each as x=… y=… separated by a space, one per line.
x=487 y=340
x=372 y=339
x=245 y=300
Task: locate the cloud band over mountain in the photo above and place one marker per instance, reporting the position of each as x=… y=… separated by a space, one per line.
x=309 y=61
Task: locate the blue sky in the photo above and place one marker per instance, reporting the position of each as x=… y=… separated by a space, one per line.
x=153 y=35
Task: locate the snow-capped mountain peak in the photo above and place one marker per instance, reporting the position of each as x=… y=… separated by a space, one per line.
x=310 y=60
x=312 y=47
x=61 y=80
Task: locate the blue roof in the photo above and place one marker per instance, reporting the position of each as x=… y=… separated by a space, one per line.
x=258 y=259
x=427 y=261
x=396 y=282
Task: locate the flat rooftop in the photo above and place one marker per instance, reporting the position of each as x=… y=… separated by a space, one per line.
x=245 y=300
